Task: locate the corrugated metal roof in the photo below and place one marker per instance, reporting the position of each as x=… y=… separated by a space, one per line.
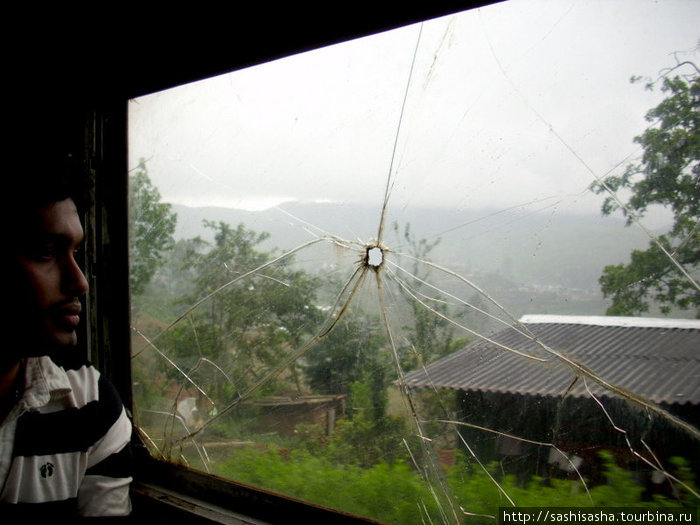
x=659 y=361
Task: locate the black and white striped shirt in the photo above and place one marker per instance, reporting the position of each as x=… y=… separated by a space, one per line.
x=64 y=447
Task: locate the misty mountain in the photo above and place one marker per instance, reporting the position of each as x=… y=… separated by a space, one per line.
x=542 y=254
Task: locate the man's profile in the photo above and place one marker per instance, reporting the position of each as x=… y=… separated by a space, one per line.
x=64 y=433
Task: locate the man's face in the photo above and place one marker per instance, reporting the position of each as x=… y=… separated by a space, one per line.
x=49 y=283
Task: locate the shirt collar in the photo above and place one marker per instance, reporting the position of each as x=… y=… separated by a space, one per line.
x=43 y=380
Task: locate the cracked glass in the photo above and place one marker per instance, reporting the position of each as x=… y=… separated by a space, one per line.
x=370 y=276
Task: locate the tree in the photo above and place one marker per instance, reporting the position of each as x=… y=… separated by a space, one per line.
x=151 y=228
x=430 y=335
x=667 y=175
x=246 y=321
x=351 y=353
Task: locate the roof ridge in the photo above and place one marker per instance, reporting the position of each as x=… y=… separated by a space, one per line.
x=613 y=321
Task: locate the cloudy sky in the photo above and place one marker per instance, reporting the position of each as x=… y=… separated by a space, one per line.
x=521 y=102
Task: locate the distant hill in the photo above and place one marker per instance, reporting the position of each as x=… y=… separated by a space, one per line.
x=535 y=254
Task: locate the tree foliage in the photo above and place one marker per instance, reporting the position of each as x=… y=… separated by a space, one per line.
x=351 y=352
x=430 y=336
x=668 y=175
x=151 y=227
x=246 y=321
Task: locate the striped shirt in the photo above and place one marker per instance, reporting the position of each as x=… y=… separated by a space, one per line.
x=64 y=447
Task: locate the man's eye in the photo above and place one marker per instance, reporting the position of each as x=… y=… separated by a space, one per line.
x=44 y=252
x=47 y=253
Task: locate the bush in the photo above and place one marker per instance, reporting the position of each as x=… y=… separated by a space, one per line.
x=388 y=492
x=394 y=493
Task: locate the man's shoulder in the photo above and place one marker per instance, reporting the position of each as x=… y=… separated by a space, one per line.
x=86 y=382
x=81 y=411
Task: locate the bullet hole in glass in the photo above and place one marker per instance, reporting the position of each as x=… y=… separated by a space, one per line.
x=374 y=257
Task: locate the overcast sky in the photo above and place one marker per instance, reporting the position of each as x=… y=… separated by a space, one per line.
x=515 y=103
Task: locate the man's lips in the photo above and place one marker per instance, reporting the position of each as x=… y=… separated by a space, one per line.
x=68 y=314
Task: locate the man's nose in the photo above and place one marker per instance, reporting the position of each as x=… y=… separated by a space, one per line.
x=74 y=282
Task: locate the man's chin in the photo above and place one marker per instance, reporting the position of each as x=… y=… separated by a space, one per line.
x=68 y=341
x=32 y=339
x=52 y=343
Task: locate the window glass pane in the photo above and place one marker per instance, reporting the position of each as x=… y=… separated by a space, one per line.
x=376 y=276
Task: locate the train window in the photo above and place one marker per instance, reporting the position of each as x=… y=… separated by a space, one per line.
x=375 y=276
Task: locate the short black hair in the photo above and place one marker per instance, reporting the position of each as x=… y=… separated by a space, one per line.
x=42 y=155
x=51 y=176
